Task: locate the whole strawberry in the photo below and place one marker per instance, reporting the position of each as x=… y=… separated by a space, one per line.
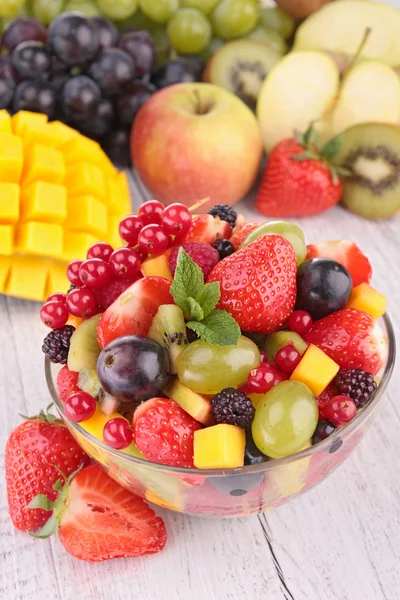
x=163 y=432
x=298 y=179
x=36 y=452
x=258 y=284
x=351 y=338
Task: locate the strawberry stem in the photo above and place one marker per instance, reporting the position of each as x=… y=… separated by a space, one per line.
x=46 y=417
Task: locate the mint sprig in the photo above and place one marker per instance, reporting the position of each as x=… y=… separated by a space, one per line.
x=198 y=300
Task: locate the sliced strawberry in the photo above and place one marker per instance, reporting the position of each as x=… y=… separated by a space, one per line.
x=105 y=296
x=67 y=383
x=134 y=310
x=351 y=338
x=241 y=232
x=347 y=254
x=206 y=228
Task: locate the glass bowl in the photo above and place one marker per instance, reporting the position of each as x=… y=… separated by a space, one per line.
x=238 y=492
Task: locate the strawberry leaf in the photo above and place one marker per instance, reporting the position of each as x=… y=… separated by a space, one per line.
x=208 y=297
x=332 y=146
x=41 y=501
x=218 y=328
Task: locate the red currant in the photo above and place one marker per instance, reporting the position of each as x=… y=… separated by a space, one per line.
x=79 y=407
x=54 y=314
x=153 y=240
x=263 y=357
x=73 y=272
x=57 y=297
x=340 y=409
x=142 y=254
x=176 y=220
x=129 y=229
x=100 y=250
x=124 y=263
x=94 y=272
x=261 y=380
x=81 y=303
x=300 y=321
x=151 y=212
x=117 y=433
x=287 y=358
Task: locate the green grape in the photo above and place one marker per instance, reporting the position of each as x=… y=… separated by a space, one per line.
x=214 y=45
x=138 y=20
x=87 y=8
x=270 y=38
x=208 y=369
x=162 y=43
x=159 y=10
x=206 y=6
x=46 y=10
x=276 y=341
x=286 y=418
x=117 y=10
x=10 y=8
x=286 y=229
x=277 y=19
x=189 y=31
x=234 y=18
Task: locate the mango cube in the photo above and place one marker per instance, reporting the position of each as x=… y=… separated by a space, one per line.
x=95 y=424
x=80 y=149
x=365 y=298
x=118 y=198
x=62 y=132
x=23 y=118
x=5 y=265
x=42 y=201
x=85 y=179
x=44 y=164
x=11 y=158
x=9 y=202
x=157 y=266
x=76 y=244
x=219 y=447
x=39 y=238
x=39 y=133
x=113 y=236
x=5 y=121
x=86 y=213
x=316 y=370
x=57 y=279
x=7 y=233
x=27 y=278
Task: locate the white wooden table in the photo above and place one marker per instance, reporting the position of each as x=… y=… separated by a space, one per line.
x=340 y=541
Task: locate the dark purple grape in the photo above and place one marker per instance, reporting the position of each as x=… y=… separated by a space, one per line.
x=172 y=71
x=21 y=30
x=36 y=96
x=74 y=39
x=31 y=60
x=113 y=70
x=128 y=104
x=102 y=121
x=58 y=80
x=195 y=64
x=133 y=368
x=108 y=33
x=80 y=98
x=140 y=46
x=117 y=145
x=6 y=91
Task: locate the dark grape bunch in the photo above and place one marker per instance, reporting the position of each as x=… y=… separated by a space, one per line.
x=86 y=73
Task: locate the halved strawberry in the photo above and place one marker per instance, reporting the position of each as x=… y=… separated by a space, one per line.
x=241 y=232
x=347 y=254
x=206 y=228
x=133 y=311
x=67 y=383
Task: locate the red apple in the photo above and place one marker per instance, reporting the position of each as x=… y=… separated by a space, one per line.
x=193 y=140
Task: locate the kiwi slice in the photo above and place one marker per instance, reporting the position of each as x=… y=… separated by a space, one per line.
x=84 y=348
x=278 y=340
x=371 y=154
x=169 y=329
x=241 y=67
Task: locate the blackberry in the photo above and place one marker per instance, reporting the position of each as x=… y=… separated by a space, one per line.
x=56 y=344
x=357 y=384
x=324 y=429
x=224 y=248
x=233 y=407
x=225 y=213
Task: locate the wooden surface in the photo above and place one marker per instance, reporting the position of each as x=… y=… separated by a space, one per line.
x=340 y=541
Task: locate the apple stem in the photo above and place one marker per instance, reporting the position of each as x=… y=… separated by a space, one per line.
x=359 y=50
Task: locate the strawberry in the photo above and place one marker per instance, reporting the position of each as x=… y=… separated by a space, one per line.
x=298 y=179
x=67 y=383
x=202 y=254
x=347 y=254
x=241 y=232
x=133 y=311
x=97 y=519
x=258 y=283
x=106 y=295
x=206 y=228
x=36 y=452
x=351 y=338
x=163 y=432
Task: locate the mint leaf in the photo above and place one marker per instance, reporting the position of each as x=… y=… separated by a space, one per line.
x=208 y=297
x=196 y=312
x=218 y=328
x=188 y=281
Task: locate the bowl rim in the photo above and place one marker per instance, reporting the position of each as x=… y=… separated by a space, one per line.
x=269 y=465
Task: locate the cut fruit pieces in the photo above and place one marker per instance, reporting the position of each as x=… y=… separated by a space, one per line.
x=84 y=348
x=169 y=329
x=316 y=370
x=157 y=265
x=365 y=298
x=194 y=404
x=241 y=67
x=347 y=254
x=219 y=447
x=279 y=339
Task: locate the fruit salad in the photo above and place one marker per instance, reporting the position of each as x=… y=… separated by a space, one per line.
x=207 y=342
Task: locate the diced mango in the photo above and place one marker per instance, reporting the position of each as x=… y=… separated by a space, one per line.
x=39 y=133
x=366 y=298
x=57 y=279
x=9 y=202
x=39 y=238
x=76 y=245
x=62 y=132
x=44 y=164
x=157 y=265
x=316 y=370
x=5 y=121
x=85 y=179
x=219 y=447
x=5 y=265
x=113 y=236
x=27 y=278
x=7 y=234
x=86 y=214
x=74 y=321
x=81 y=149
x=118 y=200
x=11 y=158
x=42 y=201
x=95 y=424
x=23 y=118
